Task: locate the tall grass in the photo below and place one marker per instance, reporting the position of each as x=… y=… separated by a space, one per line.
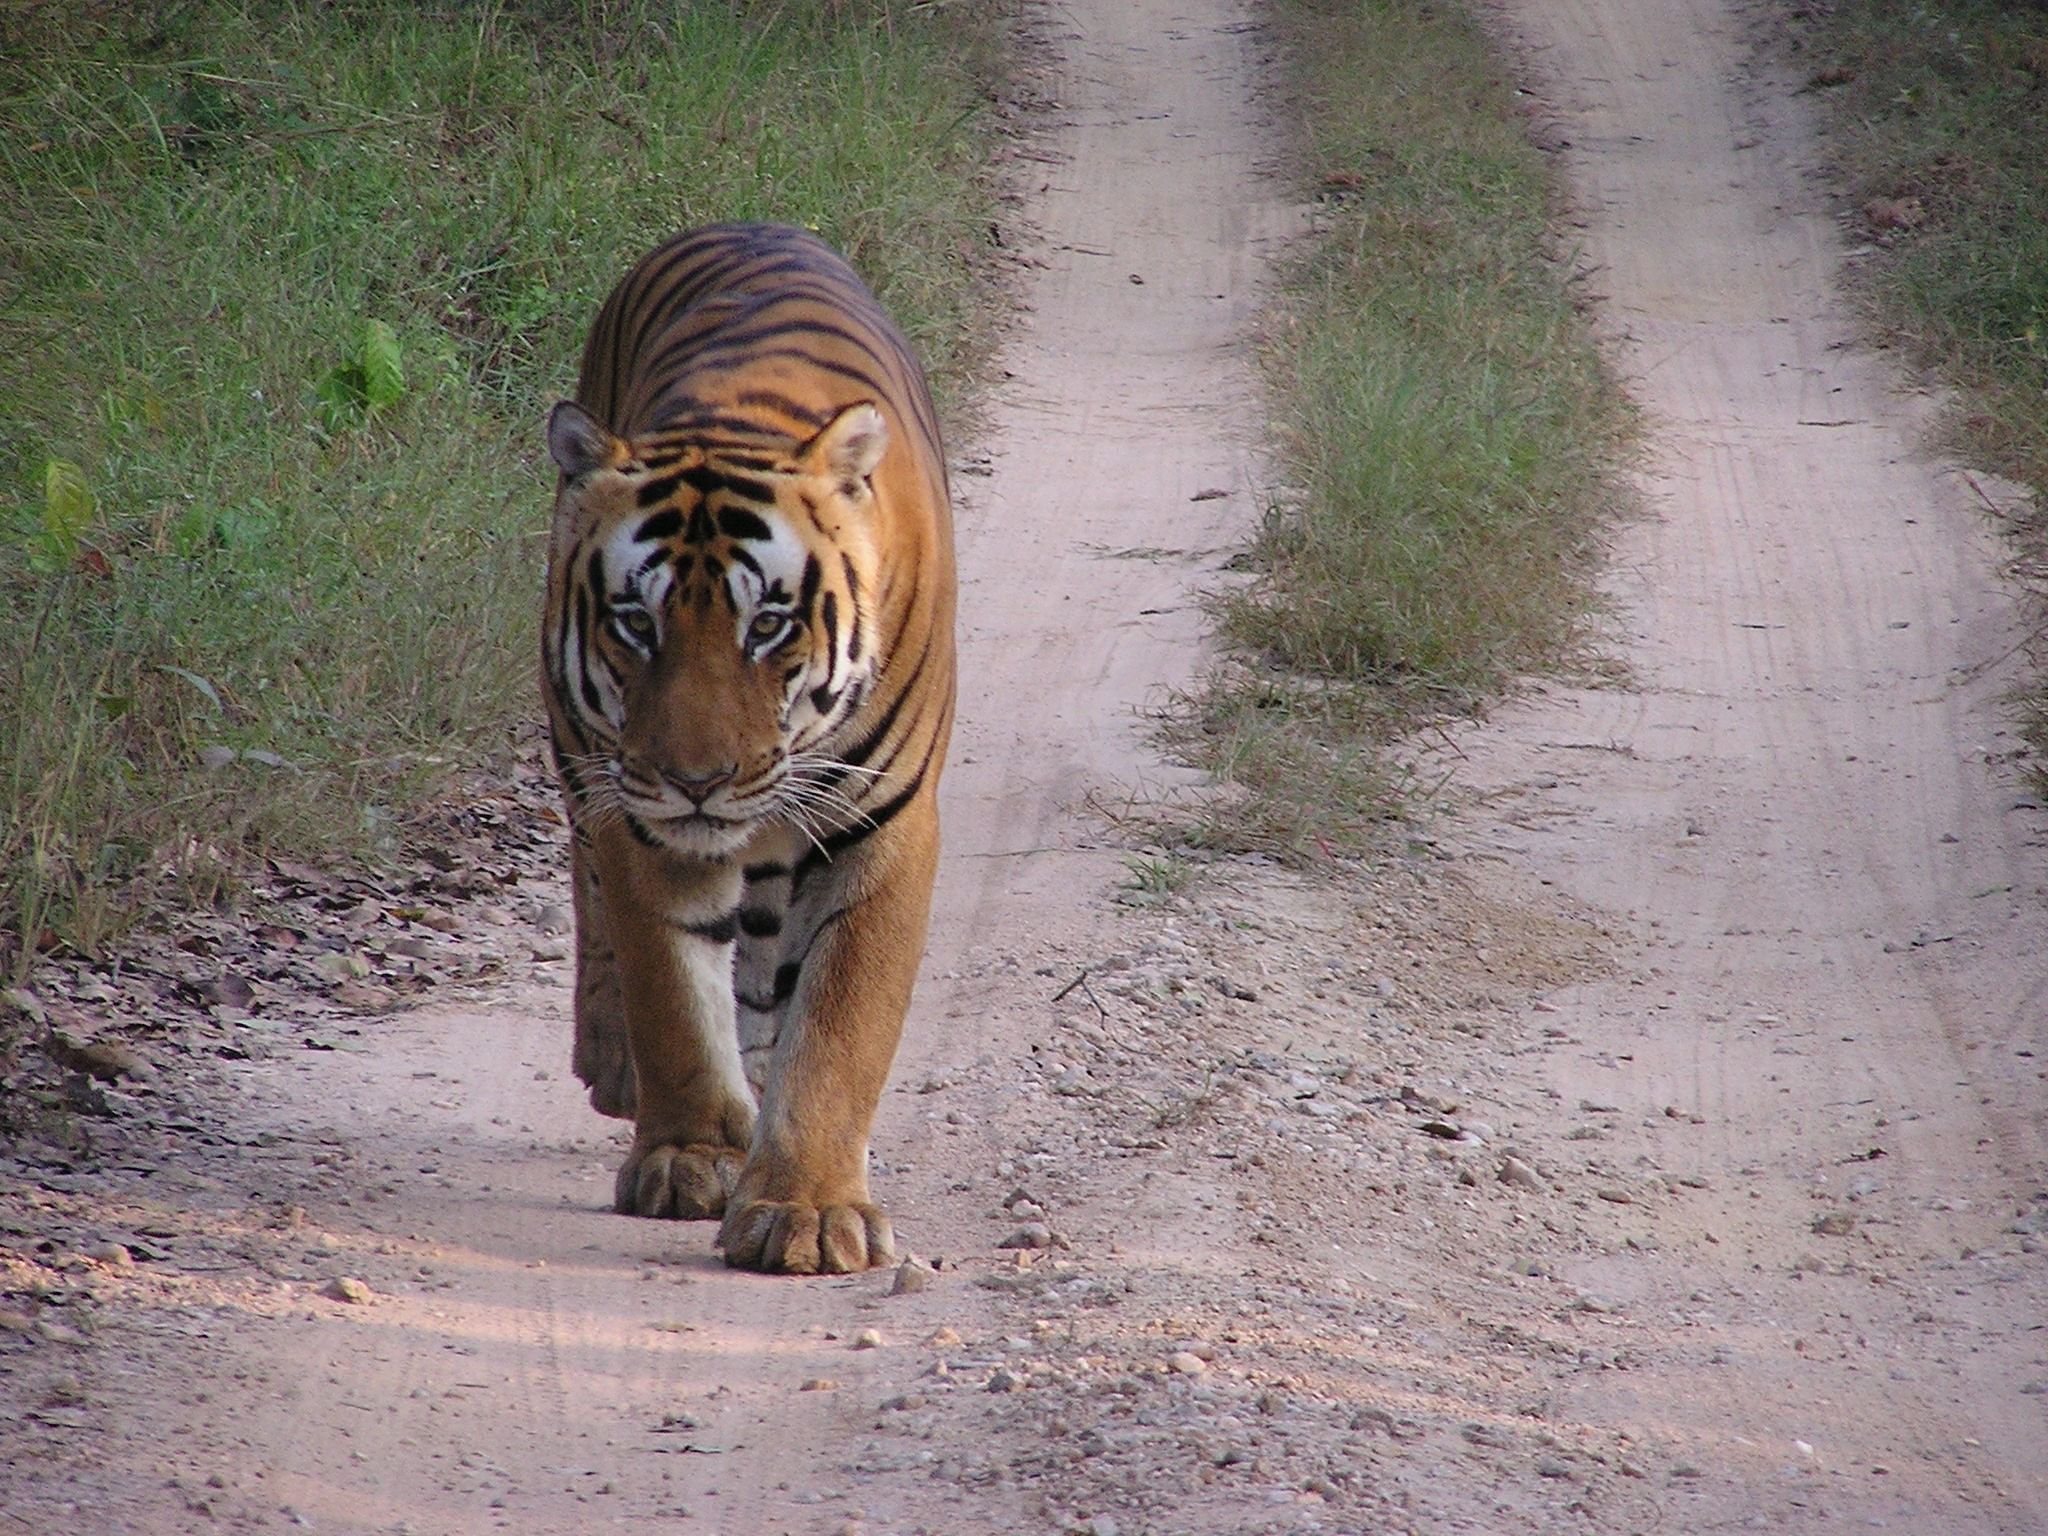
x=285 y=291
x=1447 y=431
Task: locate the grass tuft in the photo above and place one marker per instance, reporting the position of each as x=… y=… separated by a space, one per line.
x=284 y=294
x=1447 y=435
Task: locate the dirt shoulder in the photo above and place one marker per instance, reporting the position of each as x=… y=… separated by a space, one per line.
x=1660 y=1146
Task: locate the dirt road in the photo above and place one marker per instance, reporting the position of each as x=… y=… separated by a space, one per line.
x=1661 y=1150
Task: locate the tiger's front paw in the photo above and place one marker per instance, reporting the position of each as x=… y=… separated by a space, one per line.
x=686 y=1183
x=791 y=1238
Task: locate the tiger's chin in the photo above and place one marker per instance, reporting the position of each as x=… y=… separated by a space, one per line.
x=696 y=836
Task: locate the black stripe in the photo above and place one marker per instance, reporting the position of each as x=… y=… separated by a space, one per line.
x=828 y=612
x=694 y=421
x=765 y=871
x=853 y=645
x=760 y=922
x=768 y=399
x=665 y=524
x=813 y=574
x=572 y=780
x=873 y=821
x=787 y=975
x=865 y=749
x=749 y=489
x=720 y=930
x=577 y=628
x=739 y=523
x=696 y=477
x=642 y=836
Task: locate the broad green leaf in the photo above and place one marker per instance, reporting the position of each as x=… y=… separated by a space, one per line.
x=47 y=554
x=68 y=506
x=383 y=377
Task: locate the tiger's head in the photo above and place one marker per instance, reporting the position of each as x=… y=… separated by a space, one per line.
x=710 y=624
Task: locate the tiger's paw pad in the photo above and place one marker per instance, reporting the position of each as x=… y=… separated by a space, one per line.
x=791 y=1238
x=687 y=1183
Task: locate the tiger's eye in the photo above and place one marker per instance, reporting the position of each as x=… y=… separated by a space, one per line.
x=637 y=622
x=766 y=626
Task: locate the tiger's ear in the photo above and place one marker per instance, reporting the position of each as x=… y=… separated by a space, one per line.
x=578 y=442
x=849 y=447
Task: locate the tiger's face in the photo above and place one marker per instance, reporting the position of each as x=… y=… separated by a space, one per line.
x=711 y=630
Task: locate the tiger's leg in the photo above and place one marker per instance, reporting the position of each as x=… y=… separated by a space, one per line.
x=672 y=925
x=802 y=1205
x=603 y=1056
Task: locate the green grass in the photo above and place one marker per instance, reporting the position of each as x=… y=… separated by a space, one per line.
x=1937 y=115
x=1447 y=435
x=285 y=291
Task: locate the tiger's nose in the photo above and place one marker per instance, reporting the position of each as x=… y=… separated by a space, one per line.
x=698 y=787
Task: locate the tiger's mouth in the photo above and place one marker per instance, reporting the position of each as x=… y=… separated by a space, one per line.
x=697 y=831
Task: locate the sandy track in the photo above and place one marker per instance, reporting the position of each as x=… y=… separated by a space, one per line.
x=1801 y=809
x=1742 y=959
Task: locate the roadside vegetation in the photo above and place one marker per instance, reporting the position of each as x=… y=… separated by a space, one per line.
x=1937 y=115
x=1447 y=437
x=285 y=292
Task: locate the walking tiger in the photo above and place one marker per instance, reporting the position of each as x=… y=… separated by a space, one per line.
x=747 y=661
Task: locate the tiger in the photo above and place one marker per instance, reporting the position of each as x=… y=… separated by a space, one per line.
x=747 y=660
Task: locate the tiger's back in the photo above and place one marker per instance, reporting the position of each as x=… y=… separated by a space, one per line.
x=748 y=667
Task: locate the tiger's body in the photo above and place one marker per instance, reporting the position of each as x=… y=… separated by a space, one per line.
x=747 y=659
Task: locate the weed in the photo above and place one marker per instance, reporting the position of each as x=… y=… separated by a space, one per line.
x=1155 y=877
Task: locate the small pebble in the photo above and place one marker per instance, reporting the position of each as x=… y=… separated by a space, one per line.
x=912 y=1277
x=349 y=1289
x=1185 y=1362
x=1033 y=1234
x=113 y=1255
x=868 y=1338
x=819 y=1384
